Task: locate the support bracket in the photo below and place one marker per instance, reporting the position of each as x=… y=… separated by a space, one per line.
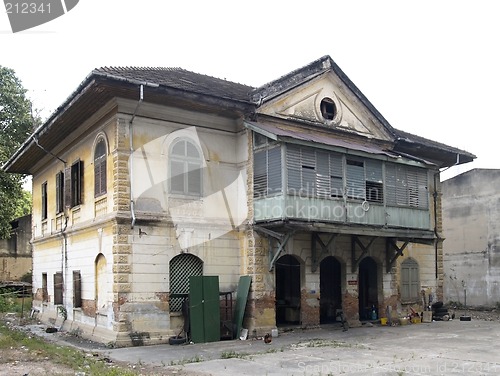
x=393 y=252
x=281 y=239
x=315 y=238
x=355 y=240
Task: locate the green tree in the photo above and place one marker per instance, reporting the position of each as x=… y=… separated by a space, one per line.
x=16 y=123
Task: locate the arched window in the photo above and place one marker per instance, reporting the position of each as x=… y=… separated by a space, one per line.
x=100 y=168
x=185 y=168
x=410 y=280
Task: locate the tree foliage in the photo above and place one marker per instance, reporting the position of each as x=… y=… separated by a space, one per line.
x=16 y=123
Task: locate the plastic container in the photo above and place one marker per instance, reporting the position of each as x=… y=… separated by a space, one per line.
x=383 y=321
x=403 y=321
x=274 y=333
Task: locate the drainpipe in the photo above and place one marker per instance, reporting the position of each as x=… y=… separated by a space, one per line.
x=435 y=195
x=131 y=140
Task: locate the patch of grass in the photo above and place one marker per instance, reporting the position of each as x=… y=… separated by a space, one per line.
x=9 y=302
x=326 y=343
x=195 y=359
x=36 y=348
x=234 y=354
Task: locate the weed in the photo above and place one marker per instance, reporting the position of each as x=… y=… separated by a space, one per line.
x=37 y=348
x=196 y=359
x=62 y=312
x=326 y=343
x=233 y=354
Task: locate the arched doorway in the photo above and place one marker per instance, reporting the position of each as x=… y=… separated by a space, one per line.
x=287 y=269
x=368 y=288
x=181 y=268
x=330 y=286
x=101 y=284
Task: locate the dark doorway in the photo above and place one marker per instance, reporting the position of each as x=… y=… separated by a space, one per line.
x=287 y=290
x=368 y=289
x=330 y=301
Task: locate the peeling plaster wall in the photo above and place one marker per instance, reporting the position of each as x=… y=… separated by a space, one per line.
x=136 y=282
x=300 y=246
x=471 y=223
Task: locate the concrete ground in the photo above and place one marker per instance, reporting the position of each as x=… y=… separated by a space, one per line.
x=438 y=348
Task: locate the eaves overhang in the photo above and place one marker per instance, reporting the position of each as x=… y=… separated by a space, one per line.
x=440 y=154
x=329 y=141
x=97 y=90
x=420 y=236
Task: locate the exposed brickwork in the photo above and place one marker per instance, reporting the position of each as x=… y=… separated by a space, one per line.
x=350 y=306
x=164 y=301
x=261 y=304
x=309 y=308
x=89 y=307
x=38 y=295
x=389 y=301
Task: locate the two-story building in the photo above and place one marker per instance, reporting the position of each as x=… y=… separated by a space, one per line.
x=146 y=176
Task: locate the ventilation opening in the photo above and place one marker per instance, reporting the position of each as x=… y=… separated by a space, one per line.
x=181 y=268
x=328 y=108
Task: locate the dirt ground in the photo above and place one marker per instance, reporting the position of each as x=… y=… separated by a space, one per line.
x=23 y=362
x=19 y=361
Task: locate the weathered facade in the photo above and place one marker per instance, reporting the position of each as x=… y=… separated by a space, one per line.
x=15 y=252
x=145 y=176
x=471 y=217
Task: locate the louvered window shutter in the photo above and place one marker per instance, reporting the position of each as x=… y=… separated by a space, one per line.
x=68 y=200
x=293 y=164
x=274 y=170
x=355 y=179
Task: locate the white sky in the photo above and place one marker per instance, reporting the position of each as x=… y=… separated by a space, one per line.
x=431 y=68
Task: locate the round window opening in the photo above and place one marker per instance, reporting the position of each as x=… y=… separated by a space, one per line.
x=328 y=108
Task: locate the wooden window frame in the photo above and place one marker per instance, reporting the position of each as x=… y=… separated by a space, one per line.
x=73 y=184
x=58 y=288
x=77 y=289
x=59 y=192
x=44 y=201
x=100 y=168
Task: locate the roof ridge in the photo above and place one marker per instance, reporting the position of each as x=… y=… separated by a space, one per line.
x=148 y=68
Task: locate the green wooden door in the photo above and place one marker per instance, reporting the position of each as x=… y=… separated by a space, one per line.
x=204 y=308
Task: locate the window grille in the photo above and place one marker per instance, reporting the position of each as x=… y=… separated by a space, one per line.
x=181 y=268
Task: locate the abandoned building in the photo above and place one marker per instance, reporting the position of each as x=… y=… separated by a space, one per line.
x=145 y=177
x=471 y=227
x=15 y=252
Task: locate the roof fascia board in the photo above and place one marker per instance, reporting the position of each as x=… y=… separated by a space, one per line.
x=45 y=127
x=383 y=155
x=261 y=131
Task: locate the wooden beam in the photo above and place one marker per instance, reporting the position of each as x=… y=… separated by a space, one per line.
x=281 y=246
x=398 y=251
x=315 y=238
x=364 y=250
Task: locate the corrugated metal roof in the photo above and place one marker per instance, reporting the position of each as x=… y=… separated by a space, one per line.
x=283 y=134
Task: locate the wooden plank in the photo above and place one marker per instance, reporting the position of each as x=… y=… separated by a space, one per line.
x=241 y=302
